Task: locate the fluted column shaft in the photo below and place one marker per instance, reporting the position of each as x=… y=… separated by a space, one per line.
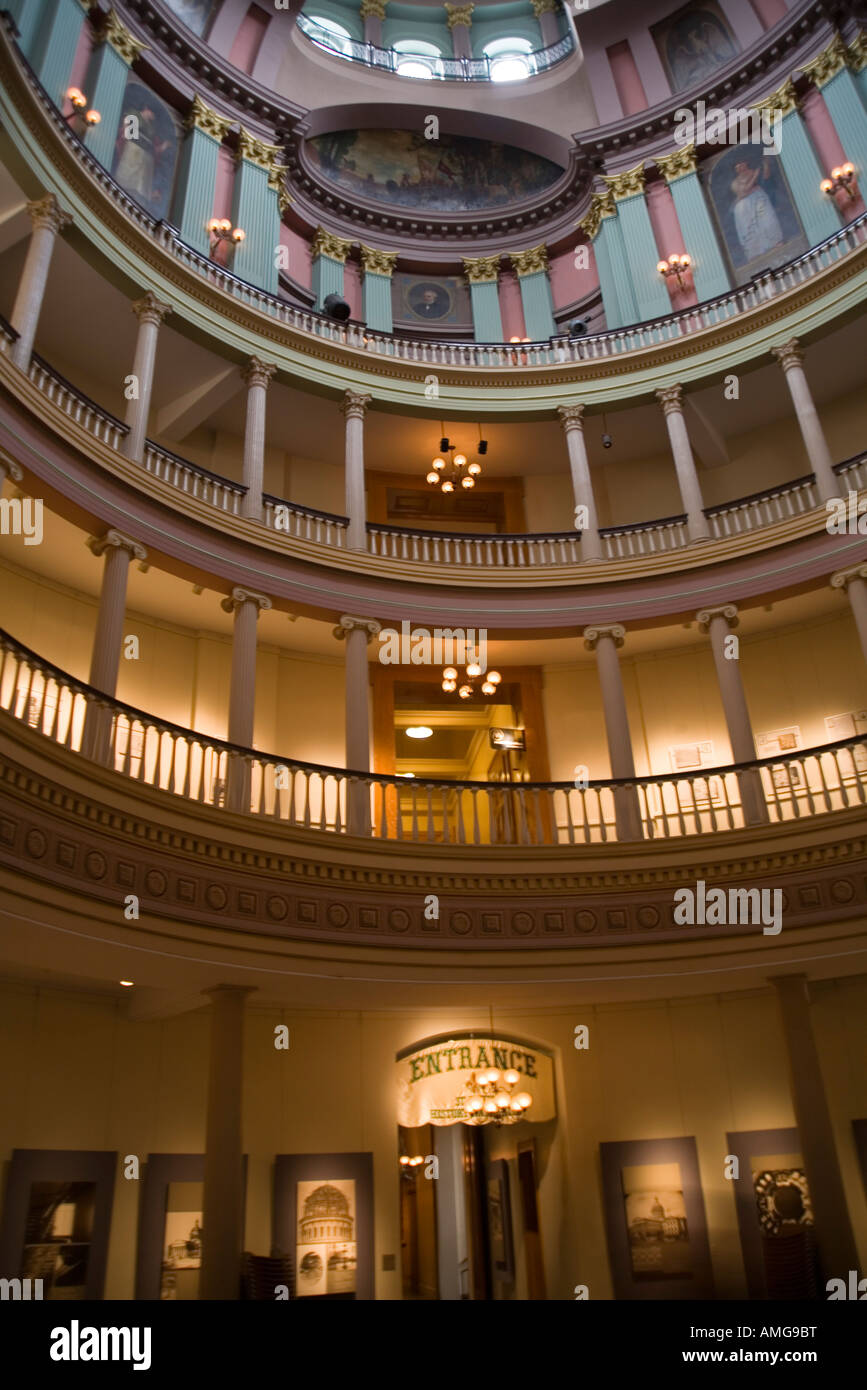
x=834 y=1235
x=223 y=1197
x=242 y=689
x=354 y=406
x=853 y=582
x=671 y=400
x=257 y=374
x=791 y=360
x=48 y=219
x=605 y=641
x=119 y=551
x=357 y=632
x=150 y=313
x=571 y=418
x=717 y=623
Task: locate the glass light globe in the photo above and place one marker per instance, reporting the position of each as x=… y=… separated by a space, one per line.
x=514 y=340
x=450 y=686
x=511 y=1077
x=686 y=259
x=835 y=173
x=468 y=482
x=239 y=234
x=487 y=688
x=490 y=1106
x=450 y=673
x=662 y=267
x=515 y=1106
x=502 y=1100
x=93 y=118
x=826 y=185
x=414 y=1162
x=474 y=1105
x=482 y=1078
x=225 y=225
x=475 y=469
x=76 y=96
x=448 y=487
x=433 y=477
x=494 y=677
x=474 y=669
x=404 y=1160
x=438 y=463
x=465 y=692
x=524 y=1099
x=847 y=169
x=493 y=1076
x=460 y=460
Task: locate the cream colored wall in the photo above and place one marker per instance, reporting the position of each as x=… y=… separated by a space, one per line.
x=85 y=1077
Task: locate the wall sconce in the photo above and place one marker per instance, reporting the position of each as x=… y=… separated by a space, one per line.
x=221 y=230
x=675 y=265
x=841 y=180
x=81 y=119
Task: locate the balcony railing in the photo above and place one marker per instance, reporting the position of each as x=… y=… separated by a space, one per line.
x=447 y=69
x=210 y=771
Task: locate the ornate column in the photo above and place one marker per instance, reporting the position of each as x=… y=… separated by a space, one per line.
x=639 y=243
x=246 y=607
x=119 y=552
x=48 y=218
x=193 y=204
x=801 y=166
x=602 y=228
x=572 y=421
x=354 y=406
x=546 y=13
x=830 y=72
x=483 y=274
x=223 y=1197
x=115 y=52
x=605 y=641
x=329 y=254
x=459 y=18
x=150 y=313
x=671 y=400
x=55 y=39
x=532 y=270
x=377 y=267
x=373 y=14
x=679 y=170
x=838 y=1253
x=256 y=208
x=357 y=632
x=257 y=375
x=718 y=622
x=853 y=582
x=791 y=359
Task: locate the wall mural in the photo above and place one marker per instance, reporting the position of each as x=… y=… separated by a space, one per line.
x=452 y=174
x=753 y=210
x=693 y=42
x=194 y=13
x=145 y=166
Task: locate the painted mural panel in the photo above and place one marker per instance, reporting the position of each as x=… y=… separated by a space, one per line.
x=753 y=209
x=147 y=147
x=194 y=13
x=452 y=174
x=693 y=43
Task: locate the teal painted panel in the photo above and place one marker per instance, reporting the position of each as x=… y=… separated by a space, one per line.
x=850 y=119
x=804 y=174
x=376 y=301
x=327 y=278
x=487 y=319
x=607 y=283
x=28 y=15
x=709 y=270
x=612 y=231
x=642 y=256
x=538 y=306
x=256 y=210
x=104 y=88
x=194 y=196
x=53 y=51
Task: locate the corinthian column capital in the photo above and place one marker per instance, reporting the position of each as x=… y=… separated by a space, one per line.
x=571 y=417
x=671 y=399
x=258 y=373
x=355 y=404
x=789 y=355
x=47 y=212
x=149 y=309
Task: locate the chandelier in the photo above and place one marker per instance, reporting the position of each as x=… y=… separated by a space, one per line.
x=493 y=1099
x=451 y=469
x=468 y=687
x=407 y=1163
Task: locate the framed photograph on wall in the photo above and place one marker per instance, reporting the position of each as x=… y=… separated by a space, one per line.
x=323 y=1220
x=655 y=1219
x=500 y=1221
x=56 y=1220
x=775 y=1214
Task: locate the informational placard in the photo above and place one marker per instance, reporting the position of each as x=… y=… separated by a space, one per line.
x=432 y=1082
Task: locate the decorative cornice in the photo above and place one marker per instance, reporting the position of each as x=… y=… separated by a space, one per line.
x=115 y=540
x=354 y=404
x=149 y=309
x=843 y=578
x=373 y=9
x=674 y=166
x=202 y=117
x=283 y=200
x=723 y=610
x=671 y=399
x=125 y=44
x=616 y=631
x=239 y=596
x=789 y=355
x=47 y=212
x=626 y=185
x=326 y=243
x=258 y=373
x=601 y=206
x=378 y=262
x=459 y=14
x=482 y=270
x=350 y=624
x=829 y=62
x=784 y=99
x=571 y=417
x=858 y=51
x=530 y=262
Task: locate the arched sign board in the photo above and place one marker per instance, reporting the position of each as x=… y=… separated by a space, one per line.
x=432 y=1076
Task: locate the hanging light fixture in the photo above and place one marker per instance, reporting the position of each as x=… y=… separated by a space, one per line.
x=221 y=231
x=467 y=688
x=447 y=473
x=493 y=1099
x=81 y=119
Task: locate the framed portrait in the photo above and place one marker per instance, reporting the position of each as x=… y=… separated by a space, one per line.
x=56 y=1220
x=442 y=302
x=687 y=757
x=500 y=1221
x=694 y=42
x=753 y=210
x=775 y=1214
x=147 y=147
x=170 y=1229
x=323 y=1221
x=655 y=1219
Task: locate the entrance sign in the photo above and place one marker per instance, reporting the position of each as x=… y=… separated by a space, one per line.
x=432 y=1080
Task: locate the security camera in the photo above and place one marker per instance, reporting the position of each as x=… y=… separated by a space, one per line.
x=336 y=307
x=607 y=441
x=577 y=328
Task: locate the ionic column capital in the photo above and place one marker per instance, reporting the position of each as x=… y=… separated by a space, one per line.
x=11 y=469
x=239 y=596
x=258 y=373
x=149 y=309
x=350 y=624
x=616 y=631
x=47 y=212
x=671 y=399
x=355 y=404
x=571 y=417
x=843 y=578
x=789 y=355
x=724 y=610
x=115 y=540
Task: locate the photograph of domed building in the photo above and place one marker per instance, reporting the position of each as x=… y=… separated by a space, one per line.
x=326 y=1212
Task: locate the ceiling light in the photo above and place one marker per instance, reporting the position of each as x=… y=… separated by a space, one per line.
x=450 y=673
x=127 y=984
x=474 y=669
x=419 y=731
x=433 y=477
x=465 y=692
x=487 y=688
